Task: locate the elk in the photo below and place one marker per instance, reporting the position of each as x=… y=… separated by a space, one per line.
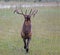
x=26 y=29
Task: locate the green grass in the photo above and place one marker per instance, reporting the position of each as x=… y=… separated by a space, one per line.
x=45 y=32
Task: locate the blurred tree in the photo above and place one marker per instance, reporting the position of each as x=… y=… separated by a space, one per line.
x=57 y=2
x=6 y=0
x=39 y=0
x=25 y=0
x=46 y=0
x=34 y=1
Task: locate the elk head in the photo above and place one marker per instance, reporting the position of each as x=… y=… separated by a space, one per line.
x=27 y=16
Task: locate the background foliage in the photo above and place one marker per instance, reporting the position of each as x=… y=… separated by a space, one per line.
x=33 y=0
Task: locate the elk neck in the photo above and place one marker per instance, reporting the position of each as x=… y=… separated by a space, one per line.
x=27 y=22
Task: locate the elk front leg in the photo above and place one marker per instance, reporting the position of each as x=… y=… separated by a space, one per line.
x=24 y=40
x=27 y=45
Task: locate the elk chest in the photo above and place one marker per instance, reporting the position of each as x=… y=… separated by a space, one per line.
x=27 y=26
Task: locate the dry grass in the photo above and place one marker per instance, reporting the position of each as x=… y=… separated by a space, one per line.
x=45 y=27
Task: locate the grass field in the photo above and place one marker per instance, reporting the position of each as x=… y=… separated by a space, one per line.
x=45 y=29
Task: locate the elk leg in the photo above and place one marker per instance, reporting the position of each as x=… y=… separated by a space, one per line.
x=27 y=46
x=24 y=43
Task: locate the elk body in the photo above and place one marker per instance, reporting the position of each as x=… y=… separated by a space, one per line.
x=26 y=29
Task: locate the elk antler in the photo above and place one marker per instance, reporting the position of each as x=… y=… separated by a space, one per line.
x=31 y=13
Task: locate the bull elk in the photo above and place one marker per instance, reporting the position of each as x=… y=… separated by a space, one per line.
x=26 y=29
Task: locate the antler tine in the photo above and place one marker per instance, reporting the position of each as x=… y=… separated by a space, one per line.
x=16 y=11
x=30 y=11
x=34 y=12
x=22 y=12
x=26 y=11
